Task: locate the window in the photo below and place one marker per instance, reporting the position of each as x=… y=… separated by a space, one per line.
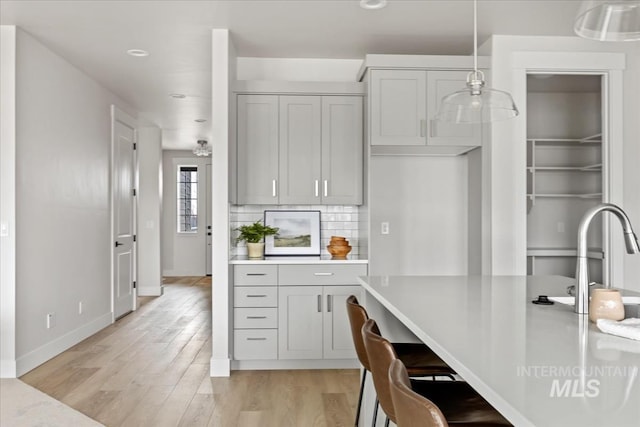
x=187 y=199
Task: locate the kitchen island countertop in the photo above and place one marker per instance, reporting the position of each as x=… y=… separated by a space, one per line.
x=539 y=365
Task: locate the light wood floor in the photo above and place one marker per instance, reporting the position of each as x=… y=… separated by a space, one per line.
x=151 y=368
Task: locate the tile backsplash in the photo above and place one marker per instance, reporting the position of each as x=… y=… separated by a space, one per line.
x=335 y=220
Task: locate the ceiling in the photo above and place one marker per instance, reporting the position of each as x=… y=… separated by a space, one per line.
x=94 y=35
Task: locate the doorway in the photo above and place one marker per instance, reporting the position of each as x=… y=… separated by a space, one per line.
x=565 y=171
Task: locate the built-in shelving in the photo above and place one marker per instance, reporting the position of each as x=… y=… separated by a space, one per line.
x=554 y=156
x=564 y=170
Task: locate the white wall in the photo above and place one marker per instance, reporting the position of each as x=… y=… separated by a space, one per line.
x=298 y=69
x=183 y=254
x=149 y=211
x=506 y=177
x=7 y=201
x=425 y=201
x=223 y=61
x=63 y=237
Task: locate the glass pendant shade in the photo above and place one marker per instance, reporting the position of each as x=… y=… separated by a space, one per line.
x=615 y=20
x=476 y=103
x=202 y=149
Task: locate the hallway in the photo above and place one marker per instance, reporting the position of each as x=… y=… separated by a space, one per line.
x=151 y=368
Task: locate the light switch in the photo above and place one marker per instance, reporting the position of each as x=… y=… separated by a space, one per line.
x=384 y=228
x=560 y=227
x=4 y=229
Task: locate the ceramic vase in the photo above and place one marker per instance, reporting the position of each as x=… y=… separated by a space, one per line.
x=606 y=304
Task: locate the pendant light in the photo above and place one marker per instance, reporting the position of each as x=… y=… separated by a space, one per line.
x=202 y=149
x=614 y=20
x=476 y=103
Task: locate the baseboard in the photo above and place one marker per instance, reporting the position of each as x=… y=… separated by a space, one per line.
x=150 y=291
x=220 y=367
x=7 y=369
x=257 y=365
x=51 y=349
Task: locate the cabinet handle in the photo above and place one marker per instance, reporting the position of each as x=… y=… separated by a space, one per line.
x=323 y=274
x=256 y=339
x=326 y=188
x=256 y=317
x=319 y=303
x=433 y=131
x=423 y=126
x=256 y=296
x=316 y=187
x=274 y=184
x=329 y=304
x=256 y=274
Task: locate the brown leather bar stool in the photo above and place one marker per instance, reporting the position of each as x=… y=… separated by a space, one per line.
x=456 y=399
x=411 y=409
x=419 y=359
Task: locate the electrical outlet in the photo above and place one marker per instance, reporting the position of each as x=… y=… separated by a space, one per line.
x=80 y=307
x=384 y=228
x=560 y=227
x=51 y=320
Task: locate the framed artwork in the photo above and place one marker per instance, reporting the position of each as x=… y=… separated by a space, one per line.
x=298 y=234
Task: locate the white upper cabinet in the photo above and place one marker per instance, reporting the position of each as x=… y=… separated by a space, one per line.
x=342 y=150
x=300 y=124
x=398 y=107
x=257 y=163
x=299 y=149
x=439 y=85
x=404 y=104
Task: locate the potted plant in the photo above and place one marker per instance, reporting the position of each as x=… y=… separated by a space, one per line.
x=254 y=235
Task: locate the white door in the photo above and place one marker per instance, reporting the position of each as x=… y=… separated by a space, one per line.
x=123 y=212
x=208 y=198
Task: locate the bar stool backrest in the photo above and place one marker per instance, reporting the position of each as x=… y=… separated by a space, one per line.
x=380 y=353
x=411 y=409
x=357 y=316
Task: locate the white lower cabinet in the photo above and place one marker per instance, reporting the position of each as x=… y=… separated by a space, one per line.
x=313 y=322
x=304 y=317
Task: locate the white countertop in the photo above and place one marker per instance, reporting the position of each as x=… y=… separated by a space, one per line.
x=514 y=352
x=324 y=259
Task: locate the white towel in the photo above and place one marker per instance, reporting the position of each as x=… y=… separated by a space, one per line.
x=627 y=328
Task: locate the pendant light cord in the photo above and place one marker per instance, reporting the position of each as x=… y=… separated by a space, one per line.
x=475 y=36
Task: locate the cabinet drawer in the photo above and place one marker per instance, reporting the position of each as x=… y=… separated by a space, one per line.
x=255 y=275
x=260 y=344
x=255 y=318
x=321 y=274
x=255 y=296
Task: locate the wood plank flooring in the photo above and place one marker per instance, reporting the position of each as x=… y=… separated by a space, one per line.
x=151 y=368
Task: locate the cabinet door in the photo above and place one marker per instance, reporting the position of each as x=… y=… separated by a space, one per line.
x=257 y=163
x=398 y=107
x=439 y=85
x=299 y=150
x=341 y=150
x=338 y=342
x=300 y=322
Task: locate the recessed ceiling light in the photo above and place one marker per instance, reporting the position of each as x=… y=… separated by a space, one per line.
x=201 y=120
x=178 y=95
x=137 y=52
x=373 y=4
